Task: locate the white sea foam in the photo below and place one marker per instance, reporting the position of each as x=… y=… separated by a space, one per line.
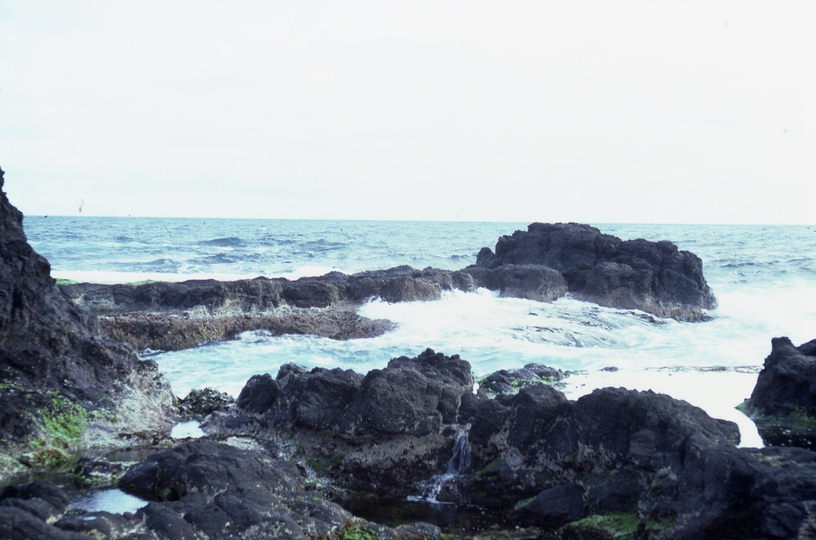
x=495 y=333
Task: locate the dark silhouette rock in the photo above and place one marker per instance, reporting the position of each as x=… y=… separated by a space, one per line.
x=55 y=365
x=783 y=403
x=655 y=277
x=787 y=381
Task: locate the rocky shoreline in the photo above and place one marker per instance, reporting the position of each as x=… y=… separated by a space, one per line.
x=544 y=263
x=294 y=454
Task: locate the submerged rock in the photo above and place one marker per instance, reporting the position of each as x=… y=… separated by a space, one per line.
x=783 y=403
x=63 y=385
x=654 y=277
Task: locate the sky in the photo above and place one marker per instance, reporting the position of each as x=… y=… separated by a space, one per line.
x=601 y=112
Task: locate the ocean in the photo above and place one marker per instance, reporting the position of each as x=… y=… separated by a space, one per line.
x=764 y=278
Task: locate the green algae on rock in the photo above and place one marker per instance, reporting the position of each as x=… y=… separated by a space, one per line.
x=64 y=386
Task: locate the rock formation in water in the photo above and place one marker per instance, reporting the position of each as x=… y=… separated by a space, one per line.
x=783 y=403
x=545 y=263
x=63 y=385
x=380 y=433
x=654 y=277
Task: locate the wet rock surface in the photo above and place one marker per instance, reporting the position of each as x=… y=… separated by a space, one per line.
x=378 y=434
x=615 y=457
x=63 y=384
x=783 y=403
x=655 y=277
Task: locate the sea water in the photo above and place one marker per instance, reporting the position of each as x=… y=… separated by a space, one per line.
x=764 y=278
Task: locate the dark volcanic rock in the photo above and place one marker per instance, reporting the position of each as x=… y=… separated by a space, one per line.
x=63 y=384
x=217 y=491
x=508 y=381
x=787 y=382
x=783 y=403
x=200 y=490
x=611 y=443
x=25 y=511
x=412 y=396
x=633 y=274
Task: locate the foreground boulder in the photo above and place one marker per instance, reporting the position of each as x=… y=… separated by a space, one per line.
x=739 y=493
x=63 y=385
x=599 y=452
x=199 y=490
x=783 y=403
x=654 y=277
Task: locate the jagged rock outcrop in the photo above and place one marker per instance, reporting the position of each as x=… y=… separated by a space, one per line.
x=378 y=434
x=783 y=403
x=63 y=385
x=654 y=277
x=735 y=493
x=613 y=464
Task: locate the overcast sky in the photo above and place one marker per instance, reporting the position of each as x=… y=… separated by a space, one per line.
x=663 y=112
